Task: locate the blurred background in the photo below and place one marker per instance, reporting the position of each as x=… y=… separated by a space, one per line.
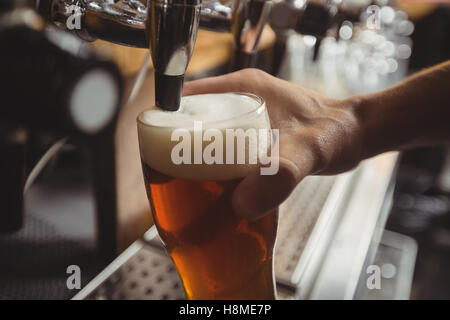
x=84 y=201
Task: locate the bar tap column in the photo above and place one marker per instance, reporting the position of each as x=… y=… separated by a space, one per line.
x=172 y=29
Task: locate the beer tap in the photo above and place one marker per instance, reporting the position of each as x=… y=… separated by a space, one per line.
x=248 y=20
x=314 y=17
x=167 y=27
x=124 y=21
x=172 y=31
x=130 y=22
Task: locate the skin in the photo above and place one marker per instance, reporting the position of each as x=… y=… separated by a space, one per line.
x=322 y=136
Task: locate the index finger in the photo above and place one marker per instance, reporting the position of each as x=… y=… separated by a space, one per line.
x=240 y=81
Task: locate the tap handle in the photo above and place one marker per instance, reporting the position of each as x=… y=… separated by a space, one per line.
x=315 y=20
x=248 y=21
x=242 y=59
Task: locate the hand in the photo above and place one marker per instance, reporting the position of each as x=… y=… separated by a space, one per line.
x=318 y=135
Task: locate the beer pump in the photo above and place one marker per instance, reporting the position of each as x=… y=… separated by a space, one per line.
x=134 y=22
x=171 y=26
x=314 y=18
x=53 y=84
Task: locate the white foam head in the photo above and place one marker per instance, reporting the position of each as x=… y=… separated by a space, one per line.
x=215 y=111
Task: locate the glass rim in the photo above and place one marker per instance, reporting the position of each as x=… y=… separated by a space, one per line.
x=261 y=106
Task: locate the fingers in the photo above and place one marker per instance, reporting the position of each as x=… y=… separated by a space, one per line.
x=206 y=85
x=240 y=81
x=258 y=194
x=226 y=83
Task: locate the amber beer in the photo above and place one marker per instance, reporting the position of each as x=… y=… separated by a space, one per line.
x=218 y=255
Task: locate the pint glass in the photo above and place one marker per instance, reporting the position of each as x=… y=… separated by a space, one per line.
x=218 y=254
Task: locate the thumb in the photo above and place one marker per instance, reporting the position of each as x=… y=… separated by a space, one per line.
x=258 y=194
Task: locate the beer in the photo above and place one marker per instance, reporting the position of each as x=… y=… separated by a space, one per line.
x=217 y=254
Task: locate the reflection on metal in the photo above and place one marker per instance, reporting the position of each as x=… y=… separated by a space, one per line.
x=124 y=21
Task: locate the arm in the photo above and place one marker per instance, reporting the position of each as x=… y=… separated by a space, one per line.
x=414 y=113
x=321 y=135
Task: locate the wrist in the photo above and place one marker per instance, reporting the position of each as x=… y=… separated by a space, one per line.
x=358 y=107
